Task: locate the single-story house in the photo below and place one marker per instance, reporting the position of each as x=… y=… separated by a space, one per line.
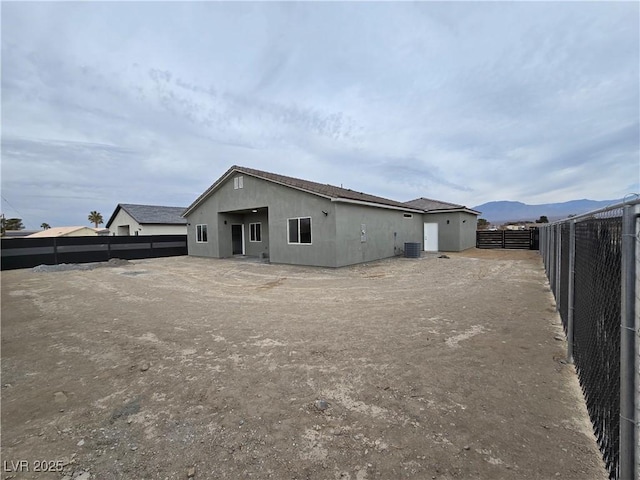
x=131 y=219
x=295 y=221
x=448 y=227
x=18 y=233
x=66 y=232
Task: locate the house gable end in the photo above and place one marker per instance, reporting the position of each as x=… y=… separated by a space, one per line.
x=229 y=176
x=336 y=194
x=113 y=215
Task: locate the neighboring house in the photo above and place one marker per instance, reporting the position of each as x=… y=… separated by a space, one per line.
x=294 y=221
x=131 y=219
x=448 y=227
x=66 y=232
x=18 y=233
x=520 y=226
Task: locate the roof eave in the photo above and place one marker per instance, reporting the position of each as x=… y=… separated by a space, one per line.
x=113 y=215
x=453 y=210
x=163 y=223
x=378 y=205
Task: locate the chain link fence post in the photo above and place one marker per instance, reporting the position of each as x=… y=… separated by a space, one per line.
x=627 y=346
x=570 y=290
x=543 y=248
x=547 y=252
x=637 y=356
x=558 y=259
x=550 y=234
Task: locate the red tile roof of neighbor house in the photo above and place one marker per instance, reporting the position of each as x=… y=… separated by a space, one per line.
x=324 y=190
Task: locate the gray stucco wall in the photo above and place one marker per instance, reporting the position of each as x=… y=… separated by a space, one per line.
x=456 y=230
x=386 y=233
x=282 y=203
x=261 y=247
x=448 y=230
x=468 y=228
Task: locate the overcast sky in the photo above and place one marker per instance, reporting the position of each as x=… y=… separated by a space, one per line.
x=107 y=103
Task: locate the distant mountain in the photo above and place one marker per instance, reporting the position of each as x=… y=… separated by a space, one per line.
x=504 y=211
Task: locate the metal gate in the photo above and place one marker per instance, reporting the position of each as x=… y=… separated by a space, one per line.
x=515 y=239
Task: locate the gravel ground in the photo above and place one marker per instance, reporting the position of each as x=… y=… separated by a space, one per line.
x=183 y=367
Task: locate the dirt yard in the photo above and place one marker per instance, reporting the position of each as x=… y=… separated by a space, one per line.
x=432 y=368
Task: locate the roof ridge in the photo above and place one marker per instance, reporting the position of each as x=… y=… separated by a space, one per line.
x=149 y=205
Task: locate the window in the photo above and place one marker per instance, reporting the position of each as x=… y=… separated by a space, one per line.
x=300 y=230
x=201 y=233
x=238 y=182
x=255 y=230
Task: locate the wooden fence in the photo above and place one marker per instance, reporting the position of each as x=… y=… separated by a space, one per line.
x=514 y=239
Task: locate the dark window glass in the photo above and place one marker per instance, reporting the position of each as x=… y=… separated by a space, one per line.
x=256 y=232
x=293 y=230
x=201 y=233
x=305 y=230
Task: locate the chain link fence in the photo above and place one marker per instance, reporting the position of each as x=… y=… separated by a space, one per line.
x=590 y=261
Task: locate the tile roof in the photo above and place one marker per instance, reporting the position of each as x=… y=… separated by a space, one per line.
x=428 y=204
x=325 y=190
x=151 y=214
x=61 y=232
x=18 y=233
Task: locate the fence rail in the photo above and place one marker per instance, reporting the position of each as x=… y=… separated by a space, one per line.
x=30 y=252
x=591 y=261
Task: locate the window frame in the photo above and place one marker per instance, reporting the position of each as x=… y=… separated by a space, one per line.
x=253 y=238
x=200 y=238
x=238 y=182
x=299 y=242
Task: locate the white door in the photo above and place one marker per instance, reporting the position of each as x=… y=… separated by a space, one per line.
x=430 y=237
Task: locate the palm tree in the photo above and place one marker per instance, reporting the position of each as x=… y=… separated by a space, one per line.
x=95 y=218
x=12 y=224
x=45 y=226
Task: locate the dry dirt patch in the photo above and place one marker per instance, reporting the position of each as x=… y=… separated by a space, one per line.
x=429 y=368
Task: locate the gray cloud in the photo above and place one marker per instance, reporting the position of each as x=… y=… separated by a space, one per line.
x=467 y=102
